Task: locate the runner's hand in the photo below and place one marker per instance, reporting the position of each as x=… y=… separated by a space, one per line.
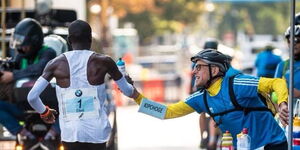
x=284 y=113
x=49 y=115
x=135 y=94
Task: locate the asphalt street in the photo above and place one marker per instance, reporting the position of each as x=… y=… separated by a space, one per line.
x=138 y=131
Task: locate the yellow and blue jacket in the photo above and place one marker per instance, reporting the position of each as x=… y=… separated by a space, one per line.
x=261 y=125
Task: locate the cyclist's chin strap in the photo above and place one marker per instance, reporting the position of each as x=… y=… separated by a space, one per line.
x=211 y=77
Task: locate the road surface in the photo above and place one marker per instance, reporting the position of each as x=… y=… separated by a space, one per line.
x=138 y=131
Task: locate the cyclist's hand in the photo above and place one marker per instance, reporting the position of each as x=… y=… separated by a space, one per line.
x=49 y=115
x=284 y=113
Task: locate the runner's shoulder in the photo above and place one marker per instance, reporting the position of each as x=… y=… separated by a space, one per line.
x=101 y=58
x=57 y=61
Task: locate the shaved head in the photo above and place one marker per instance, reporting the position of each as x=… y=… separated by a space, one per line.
x=80 y=32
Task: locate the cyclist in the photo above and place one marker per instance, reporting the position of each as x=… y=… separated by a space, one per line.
x=234 y=101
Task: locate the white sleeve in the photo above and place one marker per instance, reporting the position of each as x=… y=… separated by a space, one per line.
x=125 y=87
x=34 y=95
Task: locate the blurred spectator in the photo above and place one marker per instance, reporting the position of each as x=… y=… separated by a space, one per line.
x=266 y=62
x=283 y=69
x=30 y=61
x=211 y=43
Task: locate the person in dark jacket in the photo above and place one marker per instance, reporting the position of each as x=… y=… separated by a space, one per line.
x=30 y=62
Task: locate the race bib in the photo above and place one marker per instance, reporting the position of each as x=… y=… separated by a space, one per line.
x=78 y=104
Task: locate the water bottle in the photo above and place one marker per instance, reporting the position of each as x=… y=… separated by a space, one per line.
x=227 y=141
x=296 y=133
x=121 y=66
x=244 y=140
x=238 y=143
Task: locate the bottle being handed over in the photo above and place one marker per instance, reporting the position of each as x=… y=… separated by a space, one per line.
x=121 y=65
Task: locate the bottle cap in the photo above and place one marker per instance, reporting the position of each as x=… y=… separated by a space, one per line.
x=227 y=136
x=245 y=131
x=120 y=62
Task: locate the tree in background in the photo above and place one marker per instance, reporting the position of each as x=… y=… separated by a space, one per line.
x=253 y=18
x=156 y=17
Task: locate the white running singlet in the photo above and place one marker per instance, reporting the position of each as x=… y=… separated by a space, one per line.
x=82 y=115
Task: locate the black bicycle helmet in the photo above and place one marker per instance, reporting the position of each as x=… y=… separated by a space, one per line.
x=211 y=43
x=288 y=32
x=28 y=32
x=213 y=57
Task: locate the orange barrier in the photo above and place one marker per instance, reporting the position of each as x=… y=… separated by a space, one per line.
x=154 y=90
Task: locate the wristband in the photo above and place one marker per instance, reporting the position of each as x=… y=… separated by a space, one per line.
x=46 y=113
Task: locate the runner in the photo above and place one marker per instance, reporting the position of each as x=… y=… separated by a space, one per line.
x=80 y=91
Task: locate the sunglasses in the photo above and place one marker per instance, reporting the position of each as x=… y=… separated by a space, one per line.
x=199 y=66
